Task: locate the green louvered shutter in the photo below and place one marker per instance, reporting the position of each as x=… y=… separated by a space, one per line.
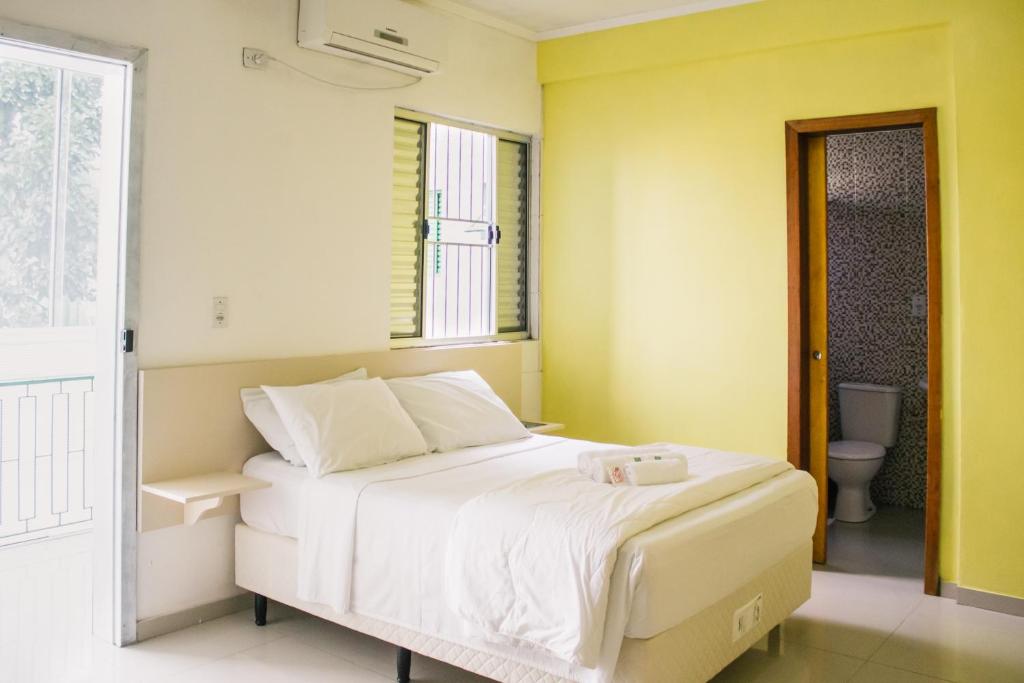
x=513 y=219
x=406 y=222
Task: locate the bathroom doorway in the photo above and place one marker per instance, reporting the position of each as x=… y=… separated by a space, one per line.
x=834 y=190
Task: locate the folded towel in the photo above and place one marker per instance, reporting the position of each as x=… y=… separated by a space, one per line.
x=655 y=471
x=593 y=462
x=598 y=465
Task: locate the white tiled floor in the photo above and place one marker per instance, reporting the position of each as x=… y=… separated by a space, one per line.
x=867 y=622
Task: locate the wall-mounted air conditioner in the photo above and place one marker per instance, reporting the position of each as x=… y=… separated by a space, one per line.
x=393 y=34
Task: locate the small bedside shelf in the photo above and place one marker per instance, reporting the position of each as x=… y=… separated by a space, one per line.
x=542 y=427
x=203 y=493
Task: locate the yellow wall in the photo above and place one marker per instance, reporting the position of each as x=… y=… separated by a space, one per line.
x=664 y=270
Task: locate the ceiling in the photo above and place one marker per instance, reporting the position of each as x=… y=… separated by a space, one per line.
x=543 y=19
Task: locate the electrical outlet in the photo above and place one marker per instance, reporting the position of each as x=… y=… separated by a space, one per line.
x=254 y=58
x=747 y=617
x=220 y=311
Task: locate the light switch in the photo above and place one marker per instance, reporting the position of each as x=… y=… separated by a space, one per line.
x=220 y=311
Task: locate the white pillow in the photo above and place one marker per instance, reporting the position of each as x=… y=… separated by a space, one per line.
x=346 y=425
x=456 y=409
x=264 y=418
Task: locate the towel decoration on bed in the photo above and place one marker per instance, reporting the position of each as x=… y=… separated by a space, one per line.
x=656 y=463
x=656 y=472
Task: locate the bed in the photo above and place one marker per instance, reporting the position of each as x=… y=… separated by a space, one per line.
x=676 y=587
x=723 y=555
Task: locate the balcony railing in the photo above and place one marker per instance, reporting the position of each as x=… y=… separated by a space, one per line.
x=46 y=450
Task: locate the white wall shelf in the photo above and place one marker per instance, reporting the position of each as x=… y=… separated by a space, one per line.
x=205 y=492
x=542 y=427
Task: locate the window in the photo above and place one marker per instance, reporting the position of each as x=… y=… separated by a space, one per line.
x=50 y=125
x=460 y=231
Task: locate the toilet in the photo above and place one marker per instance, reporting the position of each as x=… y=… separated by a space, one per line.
x=870 y=418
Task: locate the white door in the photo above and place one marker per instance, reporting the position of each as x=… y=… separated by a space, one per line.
x=63 y=170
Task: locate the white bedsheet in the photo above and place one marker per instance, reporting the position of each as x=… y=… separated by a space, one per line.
x=274 y=509
x=394 y=569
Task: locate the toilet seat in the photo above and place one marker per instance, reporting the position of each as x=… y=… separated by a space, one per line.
x=855 y=450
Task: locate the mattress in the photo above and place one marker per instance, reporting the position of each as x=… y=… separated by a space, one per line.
x=274 y=509
x=679 y=567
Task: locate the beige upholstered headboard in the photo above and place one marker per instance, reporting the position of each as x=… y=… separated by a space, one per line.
x=191 y=420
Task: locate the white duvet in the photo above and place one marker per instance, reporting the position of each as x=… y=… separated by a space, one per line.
x=531 y=561
x=329 y=517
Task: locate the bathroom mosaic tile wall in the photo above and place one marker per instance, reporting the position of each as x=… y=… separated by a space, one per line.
x=876 y=264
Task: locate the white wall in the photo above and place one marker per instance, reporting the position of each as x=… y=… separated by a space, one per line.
x=273 y=190
x=267 y=187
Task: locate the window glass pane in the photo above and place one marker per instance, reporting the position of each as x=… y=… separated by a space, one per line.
x=82 y=201
x=459 y=253
x=28 y=126
x=460 y=178
x=458 y=290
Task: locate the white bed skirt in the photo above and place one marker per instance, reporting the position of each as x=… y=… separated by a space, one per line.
x=694 y=650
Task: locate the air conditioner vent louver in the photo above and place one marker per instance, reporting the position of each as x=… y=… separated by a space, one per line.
x=412 y=40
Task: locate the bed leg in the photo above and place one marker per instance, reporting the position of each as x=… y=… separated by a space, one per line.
x=404 y=664
x=775 y=641
x=260 y=609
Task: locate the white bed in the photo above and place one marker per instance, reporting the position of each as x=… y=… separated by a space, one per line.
x=676 y=585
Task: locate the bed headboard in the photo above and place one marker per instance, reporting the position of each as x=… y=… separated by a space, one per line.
x=191 y=420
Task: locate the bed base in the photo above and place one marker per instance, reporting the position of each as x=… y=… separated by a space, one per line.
x=259 y=608
x=403 y=663
x=693 y=651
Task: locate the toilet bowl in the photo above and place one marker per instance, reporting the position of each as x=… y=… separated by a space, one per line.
x=869 y=415
x=852 y=465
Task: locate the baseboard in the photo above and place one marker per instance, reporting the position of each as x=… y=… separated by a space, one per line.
x=994 y=602
x=167 y=623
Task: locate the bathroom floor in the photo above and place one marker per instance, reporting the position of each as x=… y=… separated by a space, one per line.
x=889 y=544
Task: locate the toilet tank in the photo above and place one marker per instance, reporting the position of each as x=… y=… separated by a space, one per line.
x=870 y=412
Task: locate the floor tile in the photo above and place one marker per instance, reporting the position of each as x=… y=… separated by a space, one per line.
x=852 y=614
x=181 y=650
x=891 y=543
x=876 y=673
x=797 y=664
x=946 y=640
x=285 y=660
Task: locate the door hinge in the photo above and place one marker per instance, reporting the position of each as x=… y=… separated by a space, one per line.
x=127 y=340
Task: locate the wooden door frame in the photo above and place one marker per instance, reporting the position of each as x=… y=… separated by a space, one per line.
x=797 y=134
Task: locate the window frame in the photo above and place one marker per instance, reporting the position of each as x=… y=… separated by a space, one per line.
x=532 y=233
